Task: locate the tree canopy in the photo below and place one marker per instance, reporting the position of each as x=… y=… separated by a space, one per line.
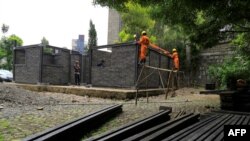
x=92 y=35
x=205 y=22
x=6 y=50
x=44 y=42
x=133 y=24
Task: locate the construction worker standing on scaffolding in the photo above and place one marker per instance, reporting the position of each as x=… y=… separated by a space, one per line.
x=175 y=57
x=144 y=42
x=176 y=67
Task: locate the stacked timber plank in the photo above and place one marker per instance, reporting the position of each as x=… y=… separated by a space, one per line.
x=182 y=127
x=210 y=128
x=235 y=100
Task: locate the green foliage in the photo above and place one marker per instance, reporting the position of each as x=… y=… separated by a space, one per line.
x=125 y=36
x=236 y=67
x=242 y=43
x=135 y=20
x=201 y=20
x=201 y=23
x=6 y=50
x=233 y=68
x=4 y=124
x=92 y=35
x=5 y=28
x=44 y=42
x=47 y=50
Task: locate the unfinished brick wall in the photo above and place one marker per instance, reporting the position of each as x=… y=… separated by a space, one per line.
x=121 y=67
x=57 y=72
x=118 y=69
x=86 y=69
x=36 y=66
x=27 y=70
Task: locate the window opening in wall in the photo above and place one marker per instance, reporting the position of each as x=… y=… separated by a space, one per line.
x=56 y=51
x=50 y=56
x=20 y=57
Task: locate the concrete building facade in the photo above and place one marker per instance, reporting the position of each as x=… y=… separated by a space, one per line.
x=114 y=26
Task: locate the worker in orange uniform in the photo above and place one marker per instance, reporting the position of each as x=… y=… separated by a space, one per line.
x=175 y=57
x=144 y=42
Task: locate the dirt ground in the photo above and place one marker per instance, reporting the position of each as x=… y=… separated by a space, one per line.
x=23 y=112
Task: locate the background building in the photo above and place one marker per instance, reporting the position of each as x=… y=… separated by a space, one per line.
x=114 y=26
x=78 y=44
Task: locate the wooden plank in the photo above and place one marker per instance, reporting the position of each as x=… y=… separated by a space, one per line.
x=246 y=120
x=167 y=131
x=210 y=129
x=155 y=128
x=219 y=134
x=185 y=132
x=134 y=128
x=205 y=129
x=168 y=70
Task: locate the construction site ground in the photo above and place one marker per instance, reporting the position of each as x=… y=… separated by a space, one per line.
x=24 y=112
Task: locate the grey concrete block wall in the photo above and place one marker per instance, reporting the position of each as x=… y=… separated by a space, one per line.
x=119 y=67
x=53 y=74
x=58 y=72
x=211 y=56
x=20 y=54
x=154 y=62
x=98 y=56
x=48 y=59
x=39 y=67
x=86 y=69
x=30 y=71
x=165 y=64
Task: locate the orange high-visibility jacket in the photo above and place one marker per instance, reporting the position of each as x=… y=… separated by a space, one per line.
x=144 y=42
x=175 y=57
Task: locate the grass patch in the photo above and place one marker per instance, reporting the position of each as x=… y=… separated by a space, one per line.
x=4 y=124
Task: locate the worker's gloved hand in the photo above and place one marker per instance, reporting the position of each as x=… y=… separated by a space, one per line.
x=166 y=52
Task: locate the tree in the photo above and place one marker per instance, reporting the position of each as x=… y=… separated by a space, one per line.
x=6 y=50
x=5 y=28
x=135 y=20
x=44 y=42
x=92 y=35
x=205 y=22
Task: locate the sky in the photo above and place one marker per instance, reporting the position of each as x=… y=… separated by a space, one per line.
x=59 y=21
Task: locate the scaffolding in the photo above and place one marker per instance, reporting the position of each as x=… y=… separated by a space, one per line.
x=173 y=76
